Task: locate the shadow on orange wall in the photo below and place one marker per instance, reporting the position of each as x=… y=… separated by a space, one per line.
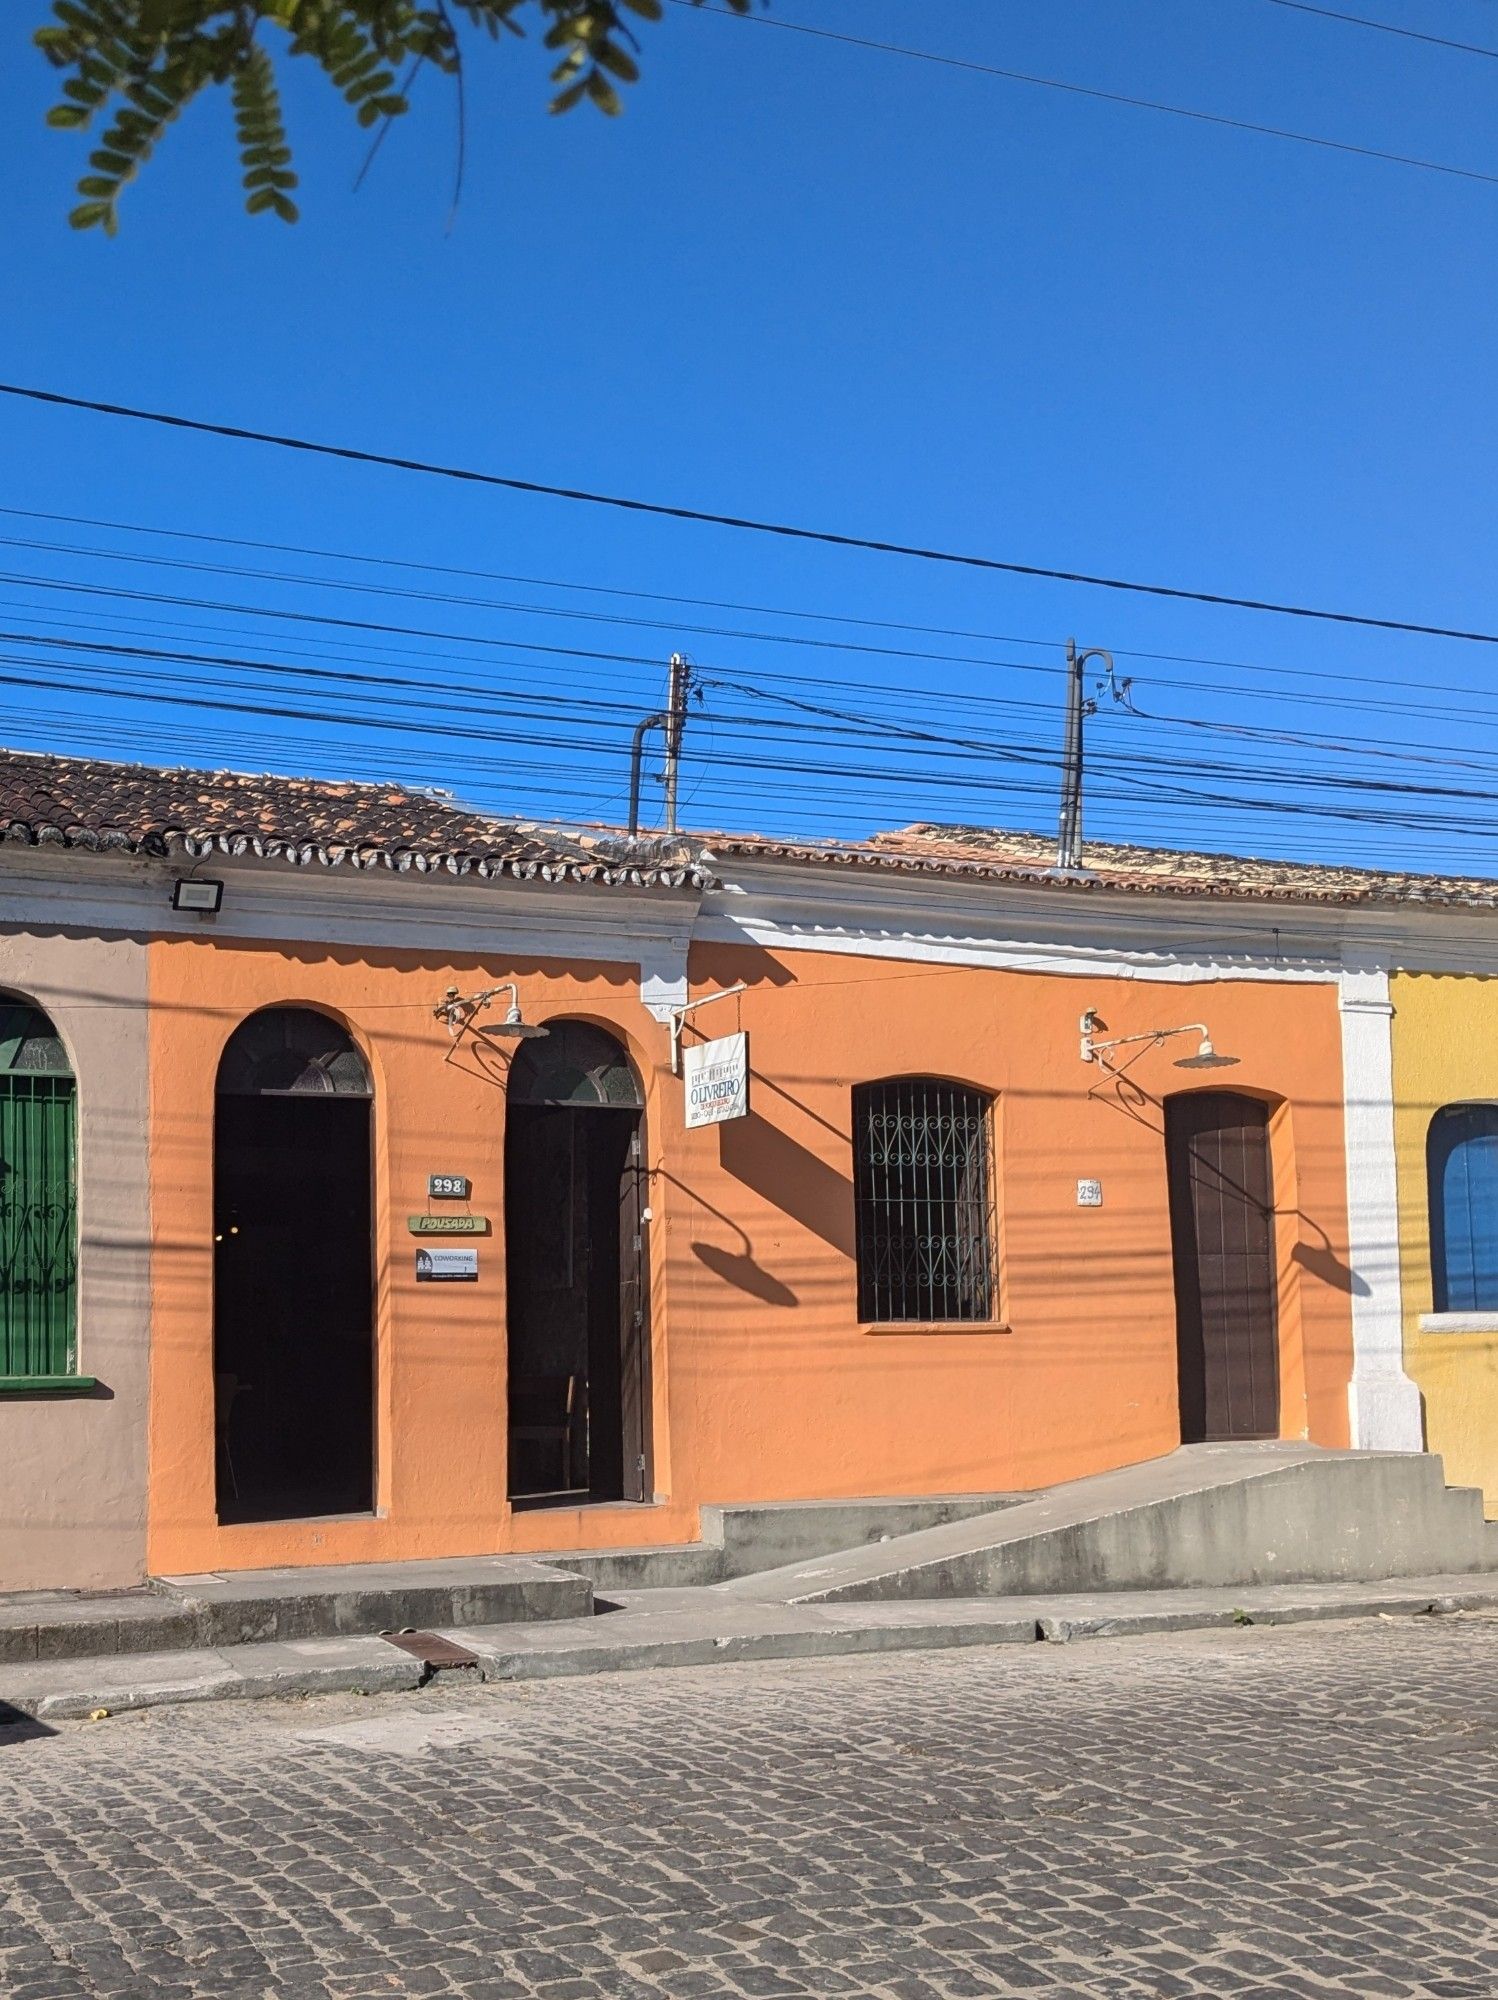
x=790 y=1177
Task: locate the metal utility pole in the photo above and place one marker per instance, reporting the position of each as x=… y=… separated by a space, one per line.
x=676 y=721
x=671 y=722
x=1078 y=708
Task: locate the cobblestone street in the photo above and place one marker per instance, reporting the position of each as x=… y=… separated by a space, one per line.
x=1302 y=1811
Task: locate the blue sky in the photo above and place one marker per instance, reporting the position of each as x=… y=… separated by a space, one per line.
x=819 y=284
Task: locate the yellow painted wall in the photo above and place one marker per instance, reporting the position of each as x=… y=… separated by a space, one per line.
x=1445 y=1052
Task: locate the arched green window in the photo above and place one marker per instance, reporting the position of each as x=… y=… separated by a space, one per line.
x=38 y=1199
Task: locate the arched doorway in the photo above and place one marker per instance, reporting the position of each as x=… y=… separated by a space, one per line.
x=1227 y=1291
x=38 y=1198
x=579 y=1347
x=293 y=1271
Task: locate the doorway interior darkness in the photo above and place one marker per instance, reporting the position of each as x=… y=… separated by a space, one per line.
x=293 y=1266
x=578 y=1321
x=1222 y=1234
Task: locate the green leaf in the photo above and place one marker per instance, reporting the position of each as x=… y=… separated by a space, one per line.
x=613 y=58
x=565 y=99
x=67 y=116
x=603 y=93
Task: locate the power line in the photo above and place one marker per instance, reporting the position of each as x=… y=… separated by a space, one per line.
x=850 y=619
x=1340 y=746
x=1387 y=28
x=1119 y=97
x=1143 y=774
x=385 y=632
x=675 y=626
x=744 y=523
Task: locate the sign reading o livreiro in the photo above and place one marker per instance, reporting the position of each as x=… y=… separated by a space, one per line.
x=717 y=1080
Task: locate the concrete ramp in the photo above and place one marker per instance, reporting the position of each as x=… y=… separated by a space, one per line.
x=1206 y=1515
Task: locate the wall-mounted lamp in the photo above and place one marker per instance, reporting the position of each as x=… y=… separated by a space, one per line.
x=458 y=1012
x=1206 y=1057
x=199 y=894
x=1092 y=1050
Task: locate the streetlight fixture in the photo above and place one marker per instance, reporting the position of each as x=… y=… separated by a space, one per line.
x=1092 y=1050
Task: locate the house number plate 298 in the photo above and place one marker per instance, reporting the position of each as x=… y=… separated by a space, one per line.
x=448 y=1187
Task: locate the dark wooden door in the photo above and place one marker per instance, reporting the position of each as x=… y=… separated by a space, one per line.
x=1222 y=1233
x=634 y=1325
x=578 y=1313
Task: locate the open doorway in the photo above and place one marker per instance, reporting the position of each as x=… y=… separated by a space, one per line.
x=575 y=1267
x=1227 y=1292
x=293 y=1322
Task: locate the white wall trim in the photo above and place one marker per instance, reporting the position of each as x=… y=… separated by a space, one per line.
x=1383 y=1403
x=273 y=902
x=1019 y=928
x=663 y=974
x=1459 y=1322
x=933 y=920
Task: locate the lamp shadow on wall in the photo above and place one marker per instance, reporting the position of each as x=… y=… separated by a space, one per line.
x=738 y=1268
x=1323 y=1262
x=1318 y=1259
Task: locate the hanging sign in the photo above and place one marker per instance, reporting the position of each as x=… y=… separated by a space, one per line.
x=432 y=1265
x=448 y=1187
x=448 y=1225
x=717 y=1080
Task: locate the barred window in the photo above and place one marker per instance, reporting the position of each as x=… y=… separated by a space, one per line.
x=925 y=1201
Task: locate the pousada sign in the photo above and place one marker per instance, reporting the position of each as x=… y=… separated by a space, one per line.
x=717 y=1080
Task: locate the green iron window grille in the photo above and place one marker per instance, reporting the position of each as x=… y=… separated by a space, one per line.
x=924 y=1184
x=38 y=1202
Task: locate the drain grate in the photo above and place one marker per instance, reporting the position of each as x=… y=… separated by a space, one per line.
x=431 y=1649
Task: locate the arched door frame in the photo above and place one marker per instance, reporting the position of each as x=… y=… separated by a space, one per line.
x=316 y=1311
x=1302 y=1248
x=584 y=1070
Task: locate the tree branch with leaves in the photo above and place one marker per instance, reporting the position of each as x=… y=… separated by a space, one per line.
x=134 y=65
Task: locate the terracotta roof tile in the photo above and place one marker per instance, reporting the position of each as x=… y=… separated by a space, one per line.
x=84 y=802
x=991 y=853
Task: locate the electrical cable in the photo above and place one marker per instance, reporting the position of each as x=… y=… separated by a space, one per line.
x=1387 y=28
x=744 y=523
x=386 y=562
x=1109 y=96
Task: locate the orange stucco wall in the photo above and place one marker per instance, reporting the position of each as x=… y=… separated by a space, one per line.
x=764 y=1384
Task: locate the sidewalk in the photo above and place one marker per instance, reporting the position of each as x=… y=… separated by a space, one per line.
x=698 y=1627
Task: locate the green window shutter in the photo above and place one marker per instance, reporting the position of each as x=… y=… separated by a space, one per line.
x=38 y=1225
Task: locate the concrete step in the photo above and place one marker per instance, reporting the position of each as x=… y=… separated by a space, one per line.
x=250 y=1606
x=1204 y=1516
x=680 y=1628
x=742 y=1539
x=708 y=1628
x=245 y=1607
x=242 y=1607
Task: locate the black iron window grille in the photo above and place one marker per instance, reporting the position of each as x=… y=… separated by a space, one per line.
x=925 y=1201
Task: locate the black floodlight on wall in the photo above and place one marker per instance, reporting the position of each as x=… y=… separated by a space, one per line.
x=203 y=897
